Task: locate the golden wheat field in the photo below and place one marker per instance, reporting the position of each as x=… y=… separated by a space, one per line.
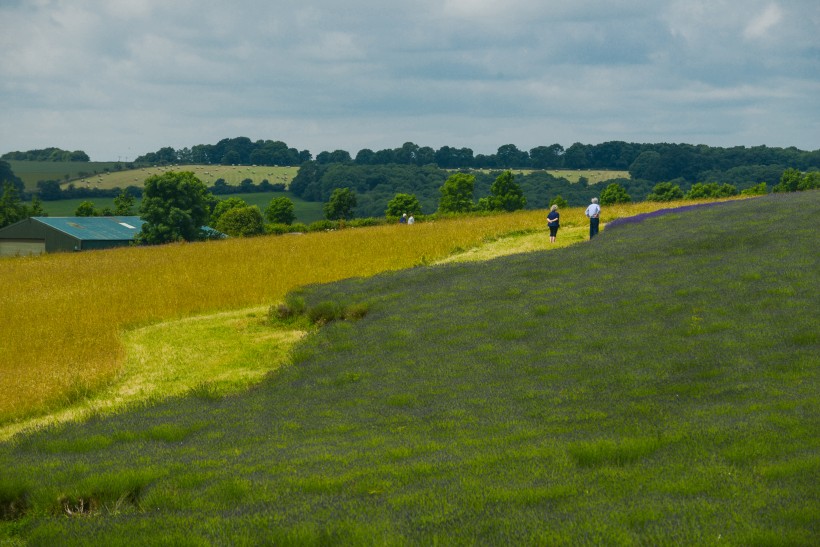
x=64 y=315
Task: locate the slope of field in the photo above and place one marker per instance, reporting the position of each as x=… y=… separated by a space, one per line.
x=231 y=174
x=105 y=174
x=33 y=171
x=658 y=385
x=305 y=211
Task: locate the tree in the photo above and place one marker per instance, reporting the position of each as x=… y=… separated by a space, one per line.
x=789 y=181
x=8 y=176
x=546 y=157
x=576 y=156
x=11 y=208
x=175 y=207
x=457 y=194
x=225 y=205
x=614 y=193
x=509 y=155
x=49 y=190
x=123 y=204
x=280 y=211
x=341 y=205
x=810 y=181
x=36 y=208
x=231 y=157
x=646 y=166
x=559 y=201
x=337 y=156
x=505 y=195
x=86 y=209
x=756 y=190
x=665 y=191
x=403 y=203
x=700 y=190
x=241 y=222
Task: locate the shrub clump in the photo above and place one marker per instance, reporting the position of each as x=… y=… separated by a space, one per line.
x=294 y=307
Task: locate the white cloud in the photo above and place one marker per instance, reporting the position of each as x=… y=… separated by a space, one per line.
x=760 y=26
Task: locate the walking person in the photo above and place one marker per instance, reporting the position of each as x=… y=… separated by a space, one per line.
x=593 y=212
x=553 y=222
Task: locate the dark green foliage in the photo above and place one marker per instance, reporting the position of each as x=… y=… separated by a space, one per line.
x=756 y=190
x=789 y=181
x=280 y=210
x=47 y=154
x=175 y=207
x=457 y=194
x=709 y=190
x=809 y=181
x=375 y=185
x=793 y=180
x=657 y=386
x=319 y=313
x=665 y=191
x=241 y=222
x=86 y=209
x=7 y=176
x=13 y=497
x=559 y=201
x=341 y=205
x=11 y=208
x=403 y=204
x=123 y=204
x=224 y=205
x=505 y=195
x=614 y=193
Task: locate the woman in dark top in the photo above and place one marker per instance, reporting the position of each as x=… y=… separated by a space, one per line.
x=552 y=222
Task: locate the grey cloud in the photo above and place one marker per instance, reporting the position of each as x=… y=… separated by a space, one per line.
x=477 y=73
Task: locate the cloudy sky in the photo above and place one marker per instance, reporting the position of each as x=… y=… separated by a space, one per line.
x=119 y=78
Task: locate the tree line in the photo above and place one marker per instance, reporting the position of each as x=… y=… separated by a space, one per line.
x=47 y=154
x=653 y=162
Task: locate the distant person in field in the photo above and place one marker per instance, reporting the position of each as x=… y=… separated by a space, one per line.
x=403 y=219
x=411 y=220
x=553 y=222
x=593 y=212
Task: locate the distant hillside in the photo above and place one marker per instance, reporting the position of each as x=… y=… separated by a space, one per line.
x=106 y=175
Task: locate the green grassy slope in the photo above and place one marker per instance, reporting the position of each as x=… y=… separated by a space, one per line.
x=658 y=385
x=105 y=174
x=305 y=211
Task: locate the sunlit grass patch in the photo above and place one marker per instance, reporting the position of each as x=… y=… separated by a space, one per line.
x=208 y=356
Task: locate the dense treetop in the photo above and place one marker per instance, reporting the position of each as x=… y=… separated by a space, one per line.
x=47 y=154
x=653 y=162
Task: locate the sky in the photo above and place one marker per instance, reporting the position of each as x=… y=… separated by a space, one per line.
x=121 y=78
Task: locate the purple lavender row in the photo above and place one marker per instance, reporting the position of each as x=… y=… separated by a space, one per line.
x=660 y=212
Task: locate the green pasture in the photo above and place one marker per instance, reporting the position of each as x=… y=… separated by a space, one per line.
x=306 y=211
x=232 y=174
x=33 y=171
x=658 y=385
x=104 y=175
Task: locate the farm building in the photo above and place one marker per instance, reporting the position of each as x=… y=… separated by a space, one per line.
x=37 y=235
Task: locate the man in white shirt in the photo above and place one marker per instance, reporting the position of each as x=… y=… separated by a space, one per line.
x=593 y=212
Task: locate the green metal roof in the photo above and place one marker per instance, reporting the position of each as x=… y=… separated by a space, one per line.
x=95 y=228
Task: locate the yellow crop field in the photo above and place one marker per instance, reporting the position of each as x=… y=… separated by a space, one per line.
x=64 y=315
